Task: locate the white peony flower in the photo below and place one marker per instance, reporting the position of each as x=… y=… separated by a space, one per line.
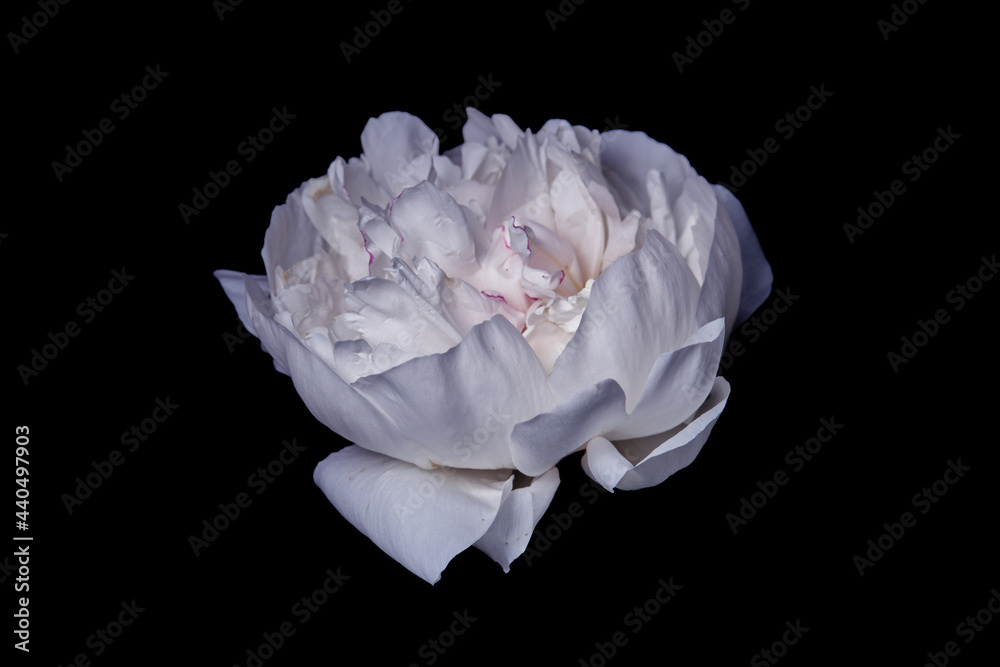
x=470 y=319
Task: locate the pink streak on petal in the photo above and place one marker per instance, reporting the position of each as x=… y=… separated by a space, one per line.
x=493 y=296
x=527 y=239
x=371 y=257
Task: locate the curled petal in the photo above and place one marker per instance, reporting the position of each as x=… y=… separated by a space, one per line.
x=643 y=462
x=678 y=383
x=421 y=518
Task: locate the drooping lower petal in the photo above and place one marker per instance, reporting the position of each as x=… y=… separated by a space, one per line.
x=519 y=513
x=421 y=518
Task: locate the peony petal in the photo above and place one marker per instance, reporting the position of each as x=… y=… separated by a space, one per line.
x=643 y=462
x=478 y=128
x=453 y=408
x=757 y=274
x=457 y=408
x=290 y=238
x=576 y=216
x=642 y=306
x=400 y=149
x=679 y=382
x=421 y=518
x=523 y=186
x=539 y=443
x=327 y=206
x=520 y=512
x=233 y=284
x=628 y=157
x=720 y=292
x=357 y=181
x=431 y=224
x=608 y=467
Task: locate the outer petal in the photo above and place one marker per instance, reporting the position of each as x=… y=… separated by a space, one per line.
x=422 y=518
x=521 y=510
x=541 y=442
x=678 y=384
x=680 y=381
x=757 y=274
x=628 y=157
x=642 y=306
x=643 y=462
x=454 y=408
x=232 y=283
x=720 y=291
x=460 y=406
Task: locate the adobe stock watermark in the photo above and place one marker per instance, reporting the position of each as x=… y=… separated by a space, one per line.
x=361 y=38
x=223 y=7
x=302 y=611
x=88 y=309
x=959 y=296
x=122 y=107
x=914 y=168
x=560 y=522
x=634 y=620
x=898 y=17
x=923 y=501
x=132 y=438
x=968 y=629
x=30 y=25
x=714 y=28
x=779 y=649
x=434 y=648
x=786 y=126
x=796 y=458
x=757 y=325
x=563 y=11
x=234 y=339
x=258 y=481
x=464 y=449
x=456 y=114
x=248 y=150
x=104 y=637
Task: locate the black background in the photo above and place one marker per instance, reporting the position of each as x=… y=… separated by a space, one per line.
x=172 y=333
